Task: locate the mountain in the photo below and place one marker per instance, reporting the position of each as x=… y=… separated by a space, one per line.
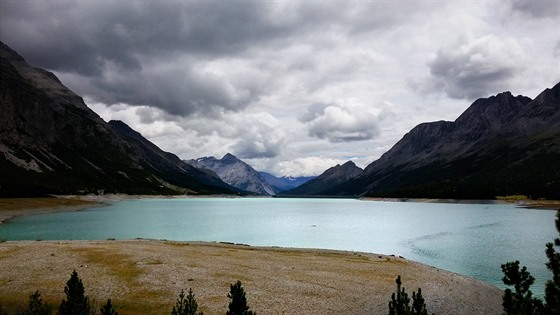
x=501 y=145
x=332 y=177
x=52 y=143
x=236 y=173
x=285 y=182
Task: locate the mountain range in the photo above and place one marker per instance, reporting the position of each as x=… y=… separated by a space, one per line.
x=52 y=143
x=284 y=183
x=241 y=175
x=236 y=173
x=501 y=145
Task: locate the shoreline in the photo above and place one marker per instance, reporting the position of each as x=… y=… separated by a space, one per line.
x=11 y=208
x=145 y=276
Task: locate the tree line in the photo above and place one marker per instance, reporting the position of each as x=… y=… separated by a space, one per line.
x=77 y=303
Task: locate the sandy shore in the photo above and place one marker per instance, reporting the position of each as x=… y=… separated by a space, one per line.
x=146 y=276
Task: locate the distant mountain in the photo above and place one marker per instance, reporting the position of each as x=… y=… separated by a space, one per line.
x=501 y=145
x=236 y=173
x=285 y=182
x=52 y=143
x=326 y=181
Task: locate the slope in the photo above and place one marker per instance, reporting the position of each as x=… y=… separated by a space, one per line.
x=52 y=143
x=502 y=145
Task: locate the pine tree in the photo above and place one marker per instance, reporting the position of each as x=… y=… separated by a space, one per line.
x=521 y=301
x=238 y=304
x=552 y=288
x=186 y=306
x=36 y=306
x=400 y=303
x=418 y=303
x=107 y=309
x=76 y=302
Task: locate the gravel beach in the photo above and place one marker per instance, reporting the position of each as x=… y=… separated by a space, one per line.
x=146 y=276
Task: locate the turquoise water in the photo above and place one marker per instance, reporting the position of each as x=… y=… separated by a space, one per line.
x=470 y=239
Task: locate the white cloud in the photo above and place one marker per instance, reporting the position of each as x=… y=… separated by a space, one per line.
x=344 y=122
x=307 y=166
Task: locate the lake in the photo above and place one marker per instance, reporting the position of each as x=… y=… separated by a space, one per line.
x=470 y=239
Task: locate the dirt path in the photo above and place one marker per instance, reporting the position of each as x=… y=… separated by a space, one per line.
x=145 y=277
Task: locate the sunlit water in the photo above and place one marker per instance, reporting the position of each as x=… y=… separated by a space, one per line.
x=470 y=239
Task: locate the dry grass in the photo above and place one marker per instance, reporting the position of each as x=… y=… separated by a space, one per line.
x=145 y=277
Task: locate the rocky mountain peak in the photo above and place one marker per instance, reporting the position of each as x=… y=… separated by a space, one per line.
x=230 y=158
x=9 y=54
x=329 y=179
x=493 y=112
x=235 y=172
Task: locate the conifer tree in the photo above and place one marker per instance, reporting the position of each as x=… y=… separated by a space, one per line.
x=3 y=311
x=552 y=288
x=76 y=302
x=35 y=305
x=107 y=309
x=186 y=306
x=418 y=303
x=521 y=301
x=238 y=304
x=400 y=302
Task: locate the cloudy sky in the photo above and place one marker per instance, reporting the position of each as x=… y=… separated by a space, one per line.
x=291 y=87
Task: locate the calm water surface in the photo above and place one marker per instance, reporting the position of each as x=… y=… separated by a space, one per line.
x=473 y=240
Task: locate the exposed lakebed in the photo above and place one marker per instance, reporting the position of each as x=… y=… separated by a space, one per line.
x=470 y=239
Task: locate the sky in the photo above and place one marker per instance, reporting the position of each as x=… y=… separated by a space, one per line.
x=290 y=87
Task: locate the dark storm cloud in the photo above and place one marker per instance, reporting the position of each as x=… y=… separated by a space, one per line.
x=123 y=52
x=93 y=33
x=537 y=8
x=114 y=51
x=475 y=68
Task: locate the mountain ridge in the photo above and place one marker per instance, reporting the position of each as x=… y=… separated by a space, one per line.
x=330 y=178
x=52 y=143
x=484 y=153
